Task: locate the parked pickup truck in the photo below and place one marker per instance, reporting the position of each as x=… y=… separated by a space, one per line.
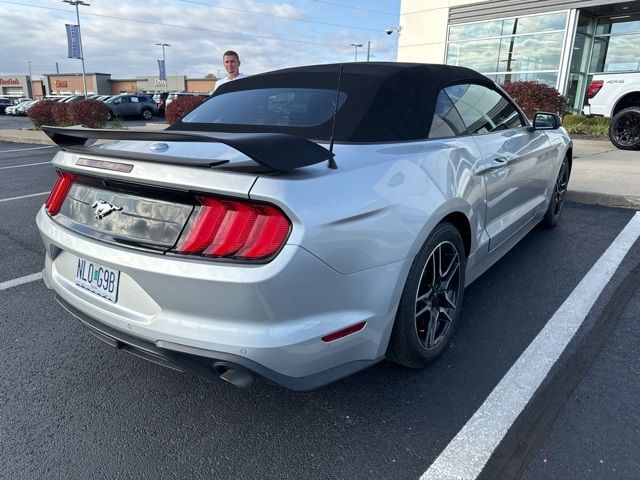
x=617 y=95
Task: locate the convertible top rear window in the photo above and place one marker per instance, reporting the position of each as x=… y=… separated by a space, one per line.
x=296 y=107
x=378 y=102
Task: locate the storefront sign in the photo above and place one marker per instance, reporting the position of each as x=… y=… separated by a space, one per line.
x=60 y=83
x=9 y=81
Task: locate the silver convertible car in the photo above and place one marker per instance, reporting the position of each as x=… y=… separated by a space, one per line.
x=302 y=224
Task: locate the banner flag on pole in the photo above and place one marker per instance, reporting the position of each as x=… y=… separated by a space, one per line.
x=73 y=41
x=163 y=72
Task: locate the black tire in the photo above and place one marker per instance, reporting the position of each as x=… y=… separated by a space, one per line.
x=417 y=338
x=552 y=215
x=109 y=116
x=146 y=114
x=624 y=131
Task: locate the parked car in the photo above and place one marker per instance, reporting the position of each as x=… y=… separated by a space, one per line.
x=160 y=99
x=290 y=231
x=73 y=99
x=172 y=96
x=617 y=96
x=11 y=110
x=4 y=103
x=23 y=108
x=132 y=105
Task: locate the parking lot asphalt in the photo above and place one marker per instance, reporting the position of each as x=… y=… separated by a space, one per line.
x=72 y=407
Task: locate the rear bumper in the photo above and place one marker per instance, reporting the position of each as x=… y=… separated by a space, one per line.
x=266 y=319
x=207 y=365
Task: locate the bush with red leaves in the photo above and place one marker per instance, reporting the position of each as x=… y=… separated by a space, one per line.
x=182 y=105
x=89 y=113
x=61 y=115
x=40 y=114
x=536 y=97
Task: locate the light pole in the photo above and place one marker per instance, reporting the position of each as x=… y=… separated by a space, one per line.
x=75 y=3
x=30 y=81
x=356 y=45
x=164 y=63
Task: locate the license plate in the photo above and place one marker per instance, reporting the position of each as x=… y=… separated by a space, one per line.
x=98 y=279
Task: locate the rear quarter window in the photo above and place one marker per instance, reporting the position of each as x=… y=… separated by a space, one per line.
x=301 y=107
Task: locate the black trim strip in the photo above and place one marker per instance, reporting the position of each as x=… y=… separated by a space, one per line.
x=276 y=151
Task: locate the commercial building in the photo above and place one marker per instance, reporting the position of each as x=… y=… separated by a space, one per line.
x=15 y=86
x=102 y=84
x=562 y=43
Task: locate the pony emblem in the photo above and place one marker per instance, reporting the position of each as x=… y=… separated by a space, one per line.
x=103 y=208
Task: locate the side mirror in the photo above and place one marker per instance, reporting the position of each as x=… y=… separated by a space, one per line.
x=545 y=121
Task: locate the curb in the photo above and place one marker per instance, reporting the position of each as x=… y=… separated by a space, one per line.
x=604 y=199
x=27 y=138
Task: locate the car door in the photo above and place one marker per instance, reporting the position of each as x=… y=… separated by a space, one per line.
x=517 y=162
x=124 y=107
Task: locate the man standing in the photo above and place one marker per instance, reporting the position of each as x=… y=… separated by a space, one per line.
x=231 y=63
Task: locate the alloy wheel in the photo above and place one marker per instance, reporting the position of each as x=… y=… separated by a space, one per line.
x=437 y=295
x=626 y=130
x=561 y=188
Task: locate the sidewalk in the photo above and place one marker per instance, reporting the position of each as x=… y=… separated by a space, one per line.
x=601 y=174
x=604 y=175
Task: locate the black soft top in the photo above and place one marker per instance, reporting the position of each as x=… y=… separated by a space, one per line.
x=385 y=101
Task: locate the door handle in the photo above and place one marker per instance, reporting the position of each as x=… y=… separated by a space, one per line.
x=495 y=164
x=498 y=162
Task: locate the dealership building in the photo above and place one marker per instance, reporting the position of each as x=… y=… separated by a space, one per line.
x=558 y=42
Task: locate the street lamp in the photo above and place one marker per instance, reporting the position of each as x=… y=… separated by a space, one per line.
x=356 y=45
x=30 y=80
x=164 y=63
x=75 y=3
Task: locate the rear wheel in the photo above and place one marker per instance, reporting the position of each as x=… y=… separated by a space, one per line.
x=147 y=114
x=431 y=300
x=624 y=131
x=109 y=116
x=556 y=202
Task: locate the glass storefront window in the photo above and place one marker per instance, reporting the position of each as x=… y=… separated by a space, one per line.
x=530 y=52
x=548 y=78
x=509 y=26
x=616 y=54
x=529 y=46
x=476 y=30
x=481 y=55
x=579 y=59
x=542 y=23
x=617 y=25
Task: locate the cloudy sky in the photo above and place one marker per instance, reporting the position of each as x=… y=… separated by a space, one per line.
x=119 y=36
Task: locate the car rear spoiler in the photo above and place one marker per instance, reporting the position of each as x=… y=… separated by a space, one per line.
x=274 y=151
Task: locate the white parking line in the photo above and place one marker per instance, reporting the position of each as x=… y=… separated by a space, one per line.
x=468 y=452
x=23 y=196
x=26 y=165
x=19 y=281
x=27 y=149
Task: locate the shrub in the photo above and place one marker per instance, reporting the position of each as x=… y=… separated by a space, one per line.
x=89 y=113
x=61 y=114
x=180 y=106
x=40 y=114
x=572 y=119
x=594 y=126
x=535 y=97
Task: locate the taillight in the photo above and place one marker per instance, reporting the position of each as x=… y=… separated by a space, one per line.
x=594 y=88
x=59 y=193
x=226 y=228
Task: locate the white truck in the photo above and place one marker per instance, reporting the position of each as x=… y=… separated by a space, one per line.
x=617 y=95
